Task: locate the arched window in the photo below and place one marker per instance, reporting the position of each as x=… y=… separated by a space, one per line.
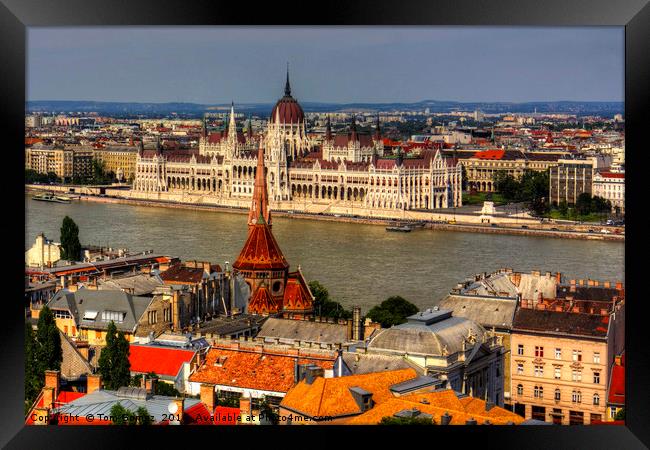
x=596 y=399
x=538 y=392
x=558 y=395
x=576 y=397
x=520 y=389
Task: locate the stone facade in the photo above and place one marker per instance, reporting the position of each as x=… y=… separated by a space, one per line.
x=347 y=170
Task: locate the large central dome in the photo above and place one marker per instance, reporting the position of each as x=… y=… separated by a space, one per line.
x=288 y=108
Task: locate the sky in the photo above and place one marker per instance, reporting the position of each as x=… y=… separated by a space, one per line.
x=327 y=64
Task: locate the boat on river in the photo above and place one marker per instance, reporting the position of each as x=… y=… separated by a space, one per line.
x=50 y=197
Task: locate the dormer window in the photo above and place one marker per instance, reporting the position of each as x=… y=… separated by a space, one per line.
x=115 y=316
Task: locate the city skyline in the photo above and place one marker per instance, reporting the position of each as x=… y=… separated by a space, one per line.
x=212 y=65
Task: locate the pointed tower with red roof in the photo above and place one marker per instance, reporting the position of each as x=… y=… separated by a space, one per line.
x=262 y=264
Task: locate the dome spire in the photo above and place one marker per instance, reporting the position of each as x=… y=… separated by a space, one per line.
x=287 y=86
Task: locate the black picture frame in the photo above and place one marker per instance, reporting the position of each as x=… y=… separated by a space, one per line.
x=16 y=15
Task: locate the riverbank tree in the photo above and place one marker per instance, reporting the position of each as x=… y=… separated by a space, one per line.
x=324 y=306
x=532 y=188
x=392 y=311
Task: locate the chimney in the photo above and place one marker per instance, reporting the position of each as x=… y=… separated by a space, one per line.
x=175 y=311
x=245 y=409
x=471 y=421
x=42 y=416
x=53 y=380
x=445 y=419
x=93 y=383
x=558 y=278
x=150 y=385
x=489 y=405
x=357 y=333
x=49 y=395
x=207 y=396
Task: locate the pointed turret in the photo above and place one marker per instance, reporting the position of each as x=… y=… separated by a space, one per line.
x=328 y=129
x=259 y=212
x=158 y=146
x=287 y=86
x=204 y=131
x=232 y=125
x=377 y=130
x=250 y=127
x=141 y=148
x=353 y=129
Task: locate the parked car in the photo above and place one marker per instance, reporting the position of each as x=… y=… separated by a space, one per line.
x=554 y=229
x=605 y=231
x=524 y=226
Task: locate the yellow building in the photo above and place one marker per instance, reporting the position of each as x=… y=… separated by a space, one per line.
x=561 y=363
x=84 y=315
x=45 y=159
x=119 y=160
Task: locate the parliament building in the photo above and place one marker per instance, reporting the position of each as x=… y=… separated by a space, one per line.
x=346 y=173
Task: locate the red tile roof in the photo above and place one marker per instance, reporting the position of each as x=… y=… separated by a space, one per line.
x=162 y=361
x=253 y=370
x=612 y=175
x=490 y=154
x=617 y=384
x=180 y=274
x=261 y=251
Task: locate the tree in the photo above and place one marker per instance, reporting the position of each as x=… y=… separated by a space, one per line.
x=70 y=245
x=534 y=189
x=267 y=412
x=122 y=416
x=406 y=421
x=392 y=311
x=49 y=353
x=583 y=204
x=563 y=207
x=114 y=365
x=325 y=307
x=620 y=414
x=506 y=185
x=33 y=383
x=163 y=388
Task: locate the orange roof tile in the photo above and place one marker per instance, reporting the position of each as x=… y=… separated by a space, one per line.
x=332 y=397
x=439 y=403
x=254 y=370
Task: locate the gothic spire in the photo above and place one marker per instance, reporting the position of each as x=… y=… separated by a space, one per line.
x=328 y=129
x=377 y=130
x=232 y=125
x=259 y=212
x=353 y=129
x=250 y=127
x=287 y=86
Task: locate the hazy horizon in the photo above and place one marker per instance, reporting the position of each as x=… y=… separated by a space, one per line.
x=338 y=65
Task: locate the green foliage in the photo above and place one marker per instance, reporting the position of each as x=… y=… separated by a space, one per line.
x=100 y=176
x=583 y=203
x=266 y=410
x=32 y=176
x=114 y=364
x=49 y=353
x=70 y=245
x=406 y=421
x=392 y=311
x=532 y=189
x=620 y=414
x=325 y=307
x=122 y=416
x=563 y=207
x=162 y=388
x=228 y=401
x=33 y=380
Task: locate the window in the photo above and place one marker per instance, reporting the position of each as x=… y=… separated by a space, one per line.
x=576 y=375
x=596 y=399
x=539 y=371
x=576 y=397
x=577 y=355
x=558 y=395
x=596 y=377
x=596 y=418
x=520 y=389
x=115 y=316
x=538 y=392
x=558 y=353
x=557 y=373
x=520 y=349
x=596 y=358
x=520 y=368
x=539 y=352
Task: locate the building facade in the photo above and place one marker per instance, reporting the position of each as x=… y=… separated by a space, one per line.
x=119 y=160
x=611 y=186
x=561 y=363
x=347 y=170
x=50 y=159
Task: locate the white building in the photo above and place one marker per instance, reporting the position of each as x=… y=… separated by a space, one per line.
x=44 y=253
x=611 y=186
x=347 y=170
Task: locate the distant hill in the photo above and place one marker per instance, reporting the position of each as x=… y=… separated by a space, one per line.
x=121 y=109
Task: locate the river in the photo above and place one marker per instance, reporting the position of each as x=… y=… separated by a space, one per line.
x=359 y=264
